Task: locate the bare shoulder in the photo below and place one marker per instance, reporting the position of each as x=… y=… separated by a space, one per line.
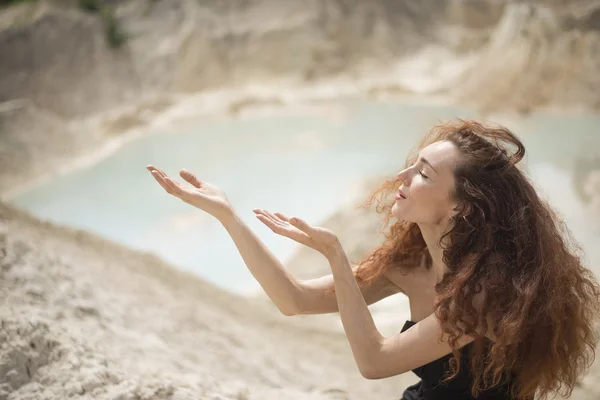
x=397 y=278
x=413 y=280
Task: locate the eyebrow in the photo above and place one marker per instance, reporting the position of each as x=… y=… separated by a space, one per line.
x=428 y=163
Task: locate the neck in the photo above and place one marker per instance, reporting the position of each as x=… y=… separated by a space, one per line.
x=432 y=235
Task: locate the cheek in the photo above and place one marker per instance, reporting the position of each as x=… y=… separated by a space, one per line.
x=430 y=199
x=423 y=194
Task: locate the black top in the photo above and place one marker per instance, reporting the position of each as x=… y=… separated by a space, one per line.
x=431 y=388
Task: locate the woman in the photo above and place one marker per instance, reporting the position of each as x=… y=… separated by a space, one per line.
x=501 y=305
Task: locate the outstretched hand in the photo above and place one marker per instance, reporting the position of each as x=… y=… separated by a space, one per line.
x=320 y=239
x=200 y=194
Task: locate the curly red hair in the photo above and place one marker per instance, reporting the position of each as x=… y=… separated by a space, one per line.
x=540 y=302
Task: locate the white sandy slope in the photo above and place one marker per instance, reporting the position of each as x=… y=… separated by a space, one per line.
x=86 y=318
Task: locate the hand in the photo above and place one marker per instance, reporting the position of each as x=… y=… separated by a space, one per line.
x=200 y=194
x=320 y=239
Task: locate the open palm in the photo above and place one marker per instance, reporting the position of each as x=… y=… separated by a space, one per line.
x=200 y=194
x=321 y=239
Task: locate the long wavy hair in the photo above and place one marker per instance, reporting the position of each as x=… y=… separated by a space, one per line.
x=540 y=302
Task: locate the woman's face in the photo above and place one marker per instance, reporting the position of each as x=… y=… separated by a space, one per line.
x=425 y=193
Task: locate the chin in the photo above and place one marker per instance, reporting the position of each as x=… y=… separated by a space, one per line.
x=399 y=213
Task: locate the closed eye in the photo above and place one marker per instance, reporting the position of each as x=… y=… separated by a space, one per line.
x=420 y=171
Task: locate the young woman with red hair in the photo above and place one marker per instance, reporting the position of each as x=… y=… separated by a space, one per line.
x=501 y=305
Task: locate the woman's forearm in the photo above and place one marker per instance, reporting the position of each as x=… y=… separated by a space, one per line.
x=281 y=286
x=363 y=335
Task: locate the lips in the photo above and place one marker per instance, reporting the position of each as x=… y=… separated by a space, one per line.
x=401 y=194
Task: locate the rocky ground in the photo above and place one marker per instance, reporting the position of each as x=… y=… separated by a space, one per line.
x=83 y=317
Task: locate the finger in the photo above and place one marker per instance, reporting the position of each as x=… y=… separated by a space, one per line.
x=301 y=224
x=276 y=226
x=154 y=168
x=278 y=220
x=161 y=180
x=273 y=221
x=178 y=188
x=282 y=217
x=160 y=172
x=191 y=178
x=167 y=183
x=268 y=222
x=287 y=231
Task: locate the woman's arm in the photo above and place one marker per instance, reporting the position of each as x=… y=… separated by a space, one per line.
x=377 y=356
x=318 y=297
x=281 y=286
x=290 y=295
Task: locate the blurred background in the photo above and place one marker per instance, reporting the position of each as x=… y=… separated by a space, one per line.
x=292 y=106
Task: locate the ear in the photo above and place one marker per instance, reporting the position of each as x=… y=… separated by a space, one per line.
x=461 y=208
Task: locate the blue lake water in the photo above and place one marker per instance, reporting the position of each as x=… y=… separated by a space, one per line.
x=303 y=164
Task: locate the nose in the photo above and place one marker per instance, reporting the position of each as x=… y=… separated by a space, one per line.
x=404 y=176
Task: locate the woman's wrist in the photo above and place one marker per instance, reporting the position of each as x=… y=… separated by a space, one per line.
x=334 y=251
x=227 y=216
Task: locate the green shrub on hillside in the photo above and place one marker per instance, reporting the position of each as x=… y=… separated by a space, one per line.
x=9 y=2
x=115 y=37
x=90 y=5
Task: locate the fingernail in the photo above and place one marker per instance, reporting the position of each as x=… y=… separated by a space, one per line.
x=293 y=221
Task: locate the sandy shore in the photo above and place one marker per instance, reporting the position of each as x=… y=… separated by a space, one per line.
x=85 y=317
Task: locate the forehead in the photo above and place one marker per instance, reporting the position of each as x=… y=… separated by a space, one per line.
x=443 y=155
